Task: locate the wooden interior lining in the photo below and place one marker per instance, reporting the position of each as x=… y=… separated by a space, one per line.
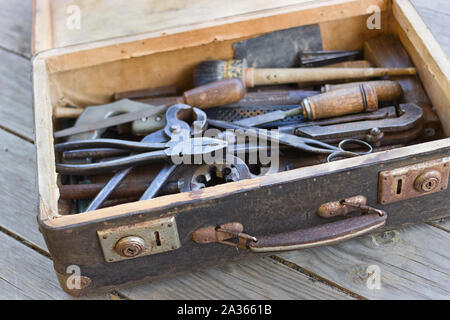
x=42 y=35
x=105 y=51
x=139 y=16
x=97 y=84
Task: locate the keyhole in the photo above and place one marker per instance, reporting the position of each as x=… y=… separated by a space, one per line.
x=158 y=239
x=131 y=251
x=399 y=186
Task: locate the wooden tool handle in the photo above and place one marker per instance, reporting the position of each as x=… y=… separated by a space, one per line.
x=254 y=77
x=215 y=94
x=350 y=64
x=362 y=98
x=386 y=90
x=66 y=112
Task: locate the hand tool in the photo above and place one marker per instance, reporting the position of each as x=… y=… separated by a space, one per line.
x=331 y=104
x=146 y=93
x=279 y=49
x=310 y=58
x=231 y=170
x=386 y=90
x=387 y=51
x=301 y=143
x=176 y=129
x=215 y=70
x=124 y=190
x=97 y=113
x=177 y=151
x=383 y=113
x=351 y=64
x=211 y=95
x=410 y=116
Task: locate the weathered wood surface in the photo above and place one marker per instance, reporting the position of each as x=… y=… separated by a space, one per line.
x=436 y=15
x=18 y=188
x=27 y=274
x=16 y=113
x=261 y=278
x=414 y=262
x=15 y=26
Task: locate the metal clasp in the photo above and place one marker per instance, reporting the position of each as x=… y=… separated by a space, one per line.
x=365 y=209
x=222 y=233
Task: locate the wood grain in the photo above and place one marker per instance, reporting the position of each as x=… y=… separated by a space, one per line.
x=26 y=274
x=412 y=261
x=261 y=278
x=17 y=188
x=16 y=113
x=436 y=15
x=15 y=26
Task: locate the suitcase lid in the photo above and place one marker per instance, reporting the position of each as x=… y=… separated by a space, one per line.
x=62 y=23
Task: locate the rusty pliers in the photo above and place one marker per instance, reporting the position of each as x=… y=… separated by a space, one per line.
x=178 y=152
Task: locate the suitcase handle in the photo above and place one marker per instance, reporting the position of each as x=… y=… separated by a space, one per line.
x=325 y=234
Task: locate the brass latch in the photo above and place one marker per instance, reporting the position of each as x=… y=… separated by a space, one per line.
x=224 y=232
x=140 y=239
x=413 y=181
x=342 y=207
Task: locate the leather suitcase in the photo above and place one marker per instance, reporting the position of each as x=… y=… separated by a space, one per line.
x=145 y=45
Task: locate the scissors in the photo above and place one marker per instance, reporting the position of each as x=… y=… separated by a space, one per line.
x=301 y=143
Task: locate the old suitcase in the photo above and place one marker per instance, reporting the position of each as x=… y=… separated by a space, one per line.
x=121 y=47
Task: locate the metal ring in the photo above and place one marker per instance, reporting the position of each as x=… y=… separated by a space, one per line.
x=358 y=142
x=341 y=154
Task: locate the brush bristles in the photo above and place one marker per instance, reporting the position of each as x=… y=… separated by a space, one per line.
x=216 y=70
x=209 y=71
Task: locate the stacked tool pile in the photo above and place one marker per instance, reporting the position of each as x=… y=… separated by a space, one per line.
x=331 y=105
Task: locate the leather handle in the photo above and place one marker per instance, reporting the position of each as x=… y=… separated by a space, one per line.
x=325 y=234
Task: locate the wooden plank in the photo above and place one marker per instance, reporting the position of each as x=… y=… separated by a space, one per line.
x=430 y=60
x=414 y=263
x=18 y=188
x=443 y=224
x=26 y=274
x=16 y=113
x=435 y=14
x=261 y=278
x=15 y=26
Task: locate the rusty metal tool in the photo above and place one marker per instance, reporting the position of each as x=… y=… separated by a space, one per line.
x=311 y=58
x=301 y=143
x=177 y=151
x=207 y=96
x=371 y=131
x=231 y=170
x=176 y=129
x=361 y=98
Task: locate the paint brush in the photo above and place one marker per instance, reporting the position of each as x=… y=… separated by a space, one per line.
x=216 y=70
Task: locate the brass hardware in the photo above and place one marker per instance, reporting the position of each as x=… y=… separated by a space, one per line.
x=337 y=208
x=130 y=246
x=428 y=181
x=413 y=181
x=138 y=240
x=365 y=209
x=222 y=233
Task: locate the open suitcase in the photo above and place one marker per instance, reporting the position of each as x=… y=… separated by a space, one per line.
x=146 y=44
